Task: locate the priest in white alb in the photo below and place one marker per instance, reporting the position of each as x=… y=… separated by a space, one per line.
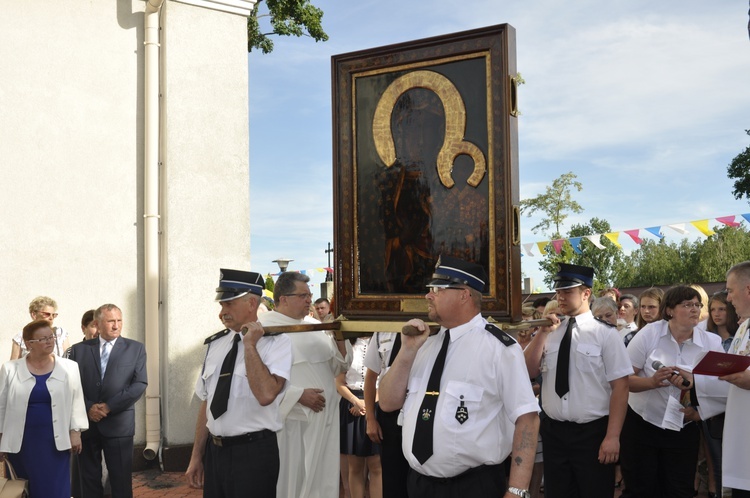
x=309 y=442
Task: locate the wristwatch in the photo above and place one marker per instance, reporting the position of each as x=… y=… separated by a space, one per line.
x=523 y=493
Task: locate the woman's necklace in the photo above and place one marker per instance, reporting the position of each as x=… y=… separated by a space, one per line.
x=40 y=366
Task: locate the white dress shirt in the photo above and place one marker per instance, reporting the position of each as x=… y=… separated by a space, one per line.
x=598 y=357
x=653 y=343
x=489 y=379
x=244 y=414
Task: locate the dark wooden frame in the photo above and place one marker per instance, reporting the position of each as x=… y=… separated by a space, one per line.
x=496 y=44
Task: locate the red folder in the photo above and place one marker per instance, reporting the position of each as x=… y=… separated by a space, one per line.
x=720 y=364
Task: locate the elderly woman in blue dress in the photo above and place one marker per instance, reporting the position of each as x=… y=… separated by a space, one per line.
x=42 y=413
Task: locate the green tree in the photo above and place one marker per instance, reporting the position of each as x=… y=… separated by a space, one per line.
x=716 y=254
x=555 y=203
x=269 y=283
x=655 y=263
x=602 y=261
x=287 y=18
x=739 y=171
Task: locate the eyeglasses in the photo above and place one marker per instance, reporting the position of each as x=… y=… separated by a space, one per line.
x=43 y=339
x=692 y=304
x=46 y=314
x=303 y=295
x=436 y=290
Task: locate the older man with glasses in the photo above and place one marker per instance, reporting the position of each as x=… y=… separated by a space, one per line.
x=465 y=395
x=309 y=442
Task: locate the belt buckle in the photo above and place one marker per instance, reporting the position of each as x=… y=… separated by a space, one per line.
x=217 y=441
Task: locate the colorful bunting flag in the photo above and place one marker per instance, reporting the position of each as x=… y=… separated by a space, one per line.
x=595 y=239
x=702 y=225
x=728 y=220
x=613 y=236
x=576 y=243
x=656 y=231
x=634 y=234
x=679 y=228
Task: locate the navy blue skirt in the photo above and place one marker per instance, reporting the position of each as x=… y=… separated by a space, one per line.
x=354 y=440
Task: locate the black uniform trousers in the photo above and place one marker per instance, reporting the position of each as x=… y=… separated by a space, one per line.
x=656 y=462
x=487 y=481
x=395 y=467
x=240 y=470
x=571 y=459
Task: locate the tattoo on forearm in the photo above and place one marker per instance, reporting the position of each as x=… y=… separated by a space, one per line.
x=518 y=460
x=528 y=440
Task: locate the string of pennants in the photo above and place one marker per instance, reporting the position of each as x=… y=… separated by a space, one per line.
x=635 y=235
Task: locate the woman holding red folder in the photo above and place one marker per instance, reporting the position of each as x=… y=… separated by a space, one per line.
x=659 y=440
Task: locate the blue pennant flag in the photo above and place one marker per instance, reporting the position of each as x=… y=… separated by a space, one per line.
x=656 y=231
x=576 y=243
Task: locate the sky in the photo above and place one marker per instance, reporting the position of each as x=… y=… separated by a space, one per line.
x=646 y=102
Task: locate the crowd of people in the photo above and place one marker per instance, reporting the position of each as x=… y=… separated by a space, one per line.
x=603 y=395
x=59 y=401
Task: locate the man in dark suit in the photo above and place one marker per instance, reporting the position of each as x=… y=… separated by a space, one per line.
x=113 y=375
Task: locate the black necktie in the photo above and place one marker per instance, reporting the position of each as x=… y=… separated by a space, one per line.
x=422 y=445
x=395 y=349
x=562 y=384
x=221 y=395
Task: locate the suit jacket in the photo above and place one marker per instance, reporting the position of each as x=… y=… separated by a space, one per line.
x=64 y=386
x=123 y=384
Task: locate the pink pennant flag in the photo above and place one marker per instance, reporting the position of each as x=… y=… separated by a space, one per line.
x=728 y=220
x=557 y=244
x=634 y=234
x=541 y=246
x=613 y=236
x=702 y=225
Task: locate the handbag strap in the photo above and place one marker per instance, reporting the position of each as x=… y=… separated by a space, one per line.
x=11 y=471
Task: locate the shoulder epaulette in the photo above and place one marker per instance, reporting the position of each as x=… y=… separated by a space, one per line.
x=217 y=335
x=604 y=322
x=499 y=334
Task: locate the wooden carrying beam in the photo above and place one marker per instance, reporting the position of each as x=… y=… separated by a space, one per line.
x=344 y=329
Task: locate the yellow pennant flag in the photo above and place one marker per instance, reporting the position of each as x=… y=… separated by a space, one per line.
x=702 y=225
x=613 y=236
x=541 y=246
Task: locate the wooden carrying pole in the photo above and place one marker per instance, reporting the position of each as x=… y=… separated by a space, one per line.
x=344 y=329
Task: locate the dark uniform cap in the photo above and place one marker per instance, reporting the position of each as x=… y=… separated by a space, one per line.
x=237 y=283
x=571 y=276
x=457 y=271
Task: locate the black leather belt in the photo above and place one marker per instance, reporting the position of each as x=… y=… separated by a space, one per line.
x=244 y=438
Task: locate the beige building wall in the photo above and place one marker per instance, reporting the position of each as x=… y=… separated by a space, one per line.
x=71 y=156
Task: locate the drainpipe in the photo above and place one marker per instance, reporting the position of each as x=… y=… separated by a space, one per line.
x=151 y=225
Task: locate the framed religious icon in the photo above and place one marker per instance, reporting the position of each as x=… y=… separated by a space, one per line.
x=425 y=164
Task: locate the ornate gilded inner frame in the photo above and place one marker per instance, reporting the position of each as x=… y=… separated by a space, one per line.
x=425 y=163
